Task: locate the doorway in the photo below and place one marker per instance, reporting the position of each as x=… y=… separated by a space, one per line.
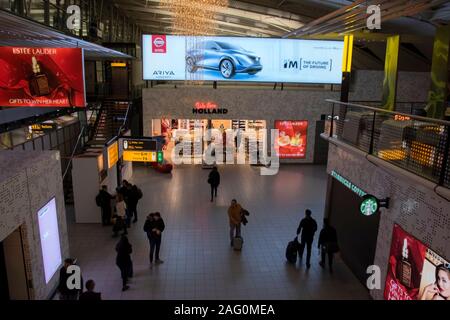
x=13 y=278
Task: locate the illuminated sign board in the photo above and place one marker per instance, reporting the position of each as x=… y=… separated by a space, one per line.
x=167 y=57
x=49 y=236
x=415 y=271
x=292 y=140
x=369 y=205
x=113 y=154
x=41 y=128
x=42 y=77
x=399 y=117
x=208 y=107
x=348 y=184
x=139 y=144
x=140 y=156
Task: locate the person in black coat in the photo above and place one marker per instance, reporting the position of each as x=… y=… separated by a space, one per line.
x=154 y=226
x=308 y=228
x=90 y=295
x=103 y=200
x=64 y=292
x=123 y=260
x=327 y=243
x=214 y=181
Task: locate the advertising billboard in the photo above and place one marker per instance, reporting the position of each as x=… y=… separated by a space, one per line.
x=415 y=272
x=41 y=77
x=49 y=235
x=241 y=59
x=292 y=140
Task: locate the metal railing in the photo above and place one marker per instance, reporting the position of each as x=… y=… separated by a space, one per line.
x=417 y=144
x=411 y=107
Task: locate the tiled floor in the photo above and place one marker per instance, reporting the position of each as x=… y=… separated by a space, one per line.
x=199 y=263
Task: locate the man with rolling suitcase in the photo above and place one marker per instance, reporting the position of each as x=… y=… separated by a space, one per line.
x=307 y=228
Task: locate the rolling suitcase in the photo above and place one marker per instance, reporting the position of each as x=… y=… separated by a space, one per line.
x=291 y=251
x=237 y=243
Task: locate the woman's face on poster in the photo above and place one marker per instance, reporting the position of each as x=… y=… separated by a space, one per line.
x=443 y=282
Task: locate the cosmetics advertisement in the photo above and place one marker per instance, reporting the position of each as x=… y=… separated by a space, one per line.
x=415 y=272
x=292 y=140
x=41 y=77
x=196 y=58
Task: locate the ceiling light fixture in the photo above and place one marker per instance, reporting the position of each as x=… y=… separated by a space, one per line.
x=194 y=19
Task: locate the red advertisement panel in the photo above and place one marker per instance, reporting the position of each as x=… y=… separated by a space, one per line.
x=415 y=272
x=41 y=77
x=159 y=44
x=292 y=142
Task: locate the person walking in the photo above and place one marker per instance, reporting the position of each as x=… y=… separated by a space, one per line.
x=64 y=292
x=307 y=228
x=90 y=294
x=123 y=260
x=235 y=218
x=129 y=199
x=120 y=216
x=154 y=226
x=136 y=195
x=103 y=200
x=214 y=181
x=328 y=244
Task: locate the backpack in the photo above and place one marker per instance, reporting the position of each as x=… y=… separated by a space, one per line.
x=139 y=194
x=98 y=200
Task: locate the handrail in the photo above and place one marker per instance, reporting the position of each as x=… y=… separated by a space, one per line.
x=73 y=151
x=124 y=120
x=97 y=120
x=411 y=145
x=425 y=119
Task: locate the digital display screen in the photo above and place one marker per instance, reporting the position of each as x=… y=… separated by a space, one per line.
x=42 y=77
x=292 y=140
x=415 y=272
x=193 y=58
x=49 y=235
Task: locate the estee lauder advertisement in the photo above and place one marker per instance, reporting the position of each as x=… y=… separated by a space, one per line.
x=41 y=77
x=415 y=272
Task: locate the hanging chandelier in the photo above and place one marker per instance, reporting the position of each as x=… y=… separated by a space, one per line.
x=194 y=19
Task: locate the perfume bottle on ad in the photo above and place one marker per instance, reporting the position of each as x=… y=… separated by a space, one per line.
x=39 y=81
x=404 y=269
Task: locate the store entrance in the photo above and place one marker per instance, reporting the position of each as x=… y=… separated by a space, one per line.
x=13 y=279
x=177 y=131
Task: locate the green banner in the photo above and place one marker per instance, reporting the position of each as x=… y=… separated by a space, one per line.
x=437 y=96
x=390 y=73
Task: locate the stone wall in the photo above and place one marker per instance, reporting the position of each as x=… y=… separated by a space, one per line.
x=28 y=180
x=415 y=207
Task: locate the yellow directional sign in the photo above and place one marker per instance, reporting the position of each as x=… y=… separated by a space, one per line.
x=113 y=154
x=139 y=156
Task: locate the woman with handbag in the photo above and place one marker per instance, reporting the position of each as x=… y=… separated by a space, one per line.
x=328 y=244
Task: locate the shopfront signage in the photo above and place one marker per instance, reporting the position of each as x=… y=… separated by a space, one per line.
x=140 y=156
x=369 y=205
x=348 y=184
x=167 y=57
x=113 y=154
x=399 y=117
x=208 y=107
x=42 y=77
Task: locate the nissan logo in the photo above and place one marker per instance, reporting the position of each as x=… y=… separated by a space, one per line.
x=158 y=42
